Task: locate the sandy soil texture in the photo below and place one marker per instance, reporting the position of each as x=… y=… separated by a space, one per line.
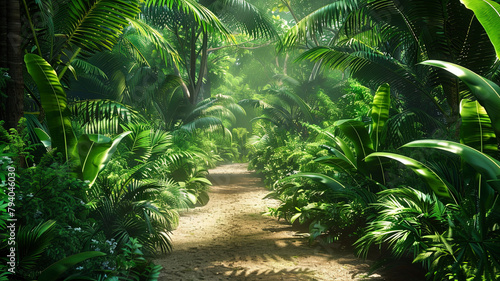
x=230 y=239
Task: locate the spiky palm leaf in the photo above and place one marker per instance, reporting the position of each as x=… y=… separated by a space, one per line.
x=246 y=16
x=406 y=215
x=386 y=36
x=103 y=116
x=315 y=23
x=201 y=14
x=32 y=242
x=95 y=25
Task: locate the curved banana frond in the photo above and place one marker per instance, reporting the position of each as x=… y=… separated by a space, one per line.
x=435 y=182
x=201 y=14
x=357 y=133
x=486 y=91
x=380 y=115
x=476 y=130
x=488 y=14
x=54 y=103
x=484 y=164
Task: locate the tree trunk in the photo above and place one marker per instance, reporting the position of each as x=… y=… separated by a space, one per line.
x=11 y=57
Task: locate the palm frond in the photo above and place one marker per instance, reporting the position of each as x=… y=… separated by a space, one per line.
x=167 y=52
x=103 y=116
x=246 y=16
x=83 y=66
x=315 y=23
x=201 y=14
x=95 y=25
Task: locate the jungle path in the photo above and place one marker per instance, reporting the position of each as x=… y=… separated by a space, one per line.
x=230 y=239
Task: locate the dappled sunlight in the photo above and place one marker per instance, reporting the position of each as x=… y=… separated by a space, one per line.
x=231 y=239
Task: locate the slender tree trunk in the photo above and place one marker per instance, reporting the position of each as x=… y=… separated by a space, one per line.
x=203 y=68
x=11 y=57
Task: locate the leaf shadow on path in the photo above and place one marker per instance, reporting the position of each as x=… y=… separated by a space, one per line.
x=231 y=239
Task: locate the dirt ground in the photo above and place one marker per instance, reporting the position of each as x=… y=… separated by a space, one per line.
x=231 y=239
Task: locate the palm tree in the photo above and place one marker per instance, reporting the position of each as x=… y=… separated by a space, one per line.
x=193 y=40
x=383 y=41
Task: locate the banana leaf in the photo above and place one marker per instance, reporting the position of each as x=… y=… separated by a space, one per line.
x=44 y=137
x=488 y=14
x=342 y=144
x=341 y=191
x=486 y=92
x=333 y=184
x=476 y=130
x=437 y=184
x=482 y=163
x=95 y=152
x=54 y=103
x=355 y=130
x=348 y=163
x=380 y=114
x=54 y=271
x=339 y=164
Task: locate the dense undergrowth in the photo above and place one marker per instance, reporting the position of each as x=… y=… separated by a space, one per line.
x=113 y=112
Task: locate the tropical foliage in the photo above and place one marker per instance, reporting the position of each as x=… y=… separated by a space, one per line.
x=373 y=123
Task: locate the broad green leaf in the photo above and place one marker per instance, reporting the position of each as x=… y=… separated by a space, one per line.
x=43 y=136
x=488 y=14
x=339 y=155
x=484 y=164
x=326 y=180
x=54 y=103
x=95 y=152
x=342 y=144
x=357 y=133
x=200 y=180
x=380 y=114
x=295 y=217
x=340 y=164
x=338 y=188
x=429 y=176
x=486 y=92
x=476 y=130
x=54 y=271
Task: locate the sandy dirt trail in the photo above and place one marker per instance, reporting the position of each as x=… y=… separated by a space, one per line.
x=230 y=239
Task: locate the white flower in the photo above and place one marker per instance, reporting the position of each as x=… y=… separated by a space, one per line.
x=79 y=268
x=77 y=229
